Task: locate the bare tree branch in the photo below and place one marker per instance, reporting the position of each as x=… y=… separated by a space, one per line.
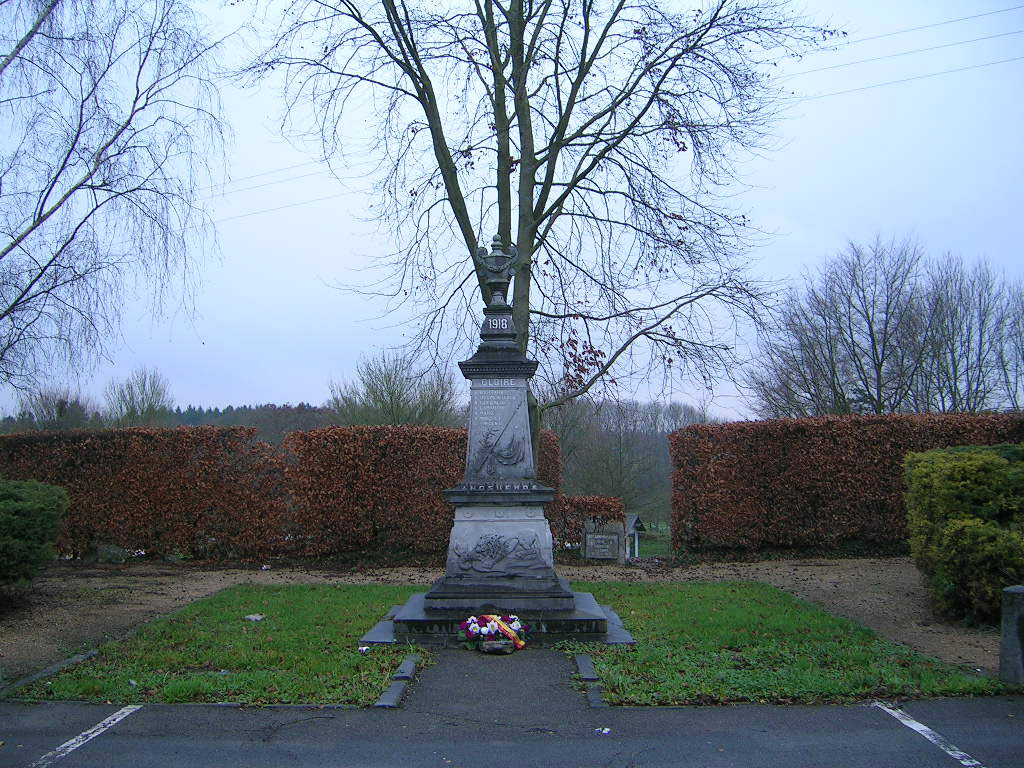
x=881 y=330
x=111 y=118
x=594 y=135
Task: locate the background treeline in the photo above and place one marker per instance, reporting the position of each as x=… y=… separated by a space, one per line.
x=883 y=329
x=609 y=448
x=879 y=328
x=620 y=448
x=63 y=411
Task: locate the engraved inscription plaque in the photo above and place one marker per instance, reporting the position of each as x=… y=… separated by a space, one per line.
x=601 y=546
x=499 y=431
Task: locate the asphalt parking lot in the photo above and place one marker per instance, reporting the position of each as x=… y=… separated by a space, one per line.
x=524 y=710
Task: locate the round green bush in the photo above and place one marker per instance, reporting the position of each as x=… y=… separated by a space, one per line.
x=30 y=515
x=976 y=561
x=965 y=513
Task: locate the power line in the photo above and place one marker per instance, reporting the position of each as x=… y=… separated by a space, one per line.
x=807 y=98
x=258 y=175
x=931 y=26
x=901 y=53
x=265 y=184
x=910 y=79
x=280 y=207
x=795 y=74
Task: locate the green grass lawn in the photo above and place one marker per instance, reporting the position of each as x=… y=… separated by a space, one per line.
x=303 y=651
x=745 y=641
x=696 y=644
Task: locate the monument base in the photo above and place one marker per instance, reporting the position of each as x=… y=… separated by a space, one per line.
x=417 y=624
x=471 y=595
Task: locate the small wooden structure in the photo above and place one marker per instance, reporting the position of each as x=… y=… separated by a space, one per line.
x=634 y=525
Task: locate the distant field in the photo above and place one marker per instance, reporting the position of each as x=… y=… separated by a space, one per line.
x=655 y=545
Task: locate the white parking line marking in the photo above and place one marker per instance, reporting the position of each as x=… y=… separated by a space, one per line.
x=935 y=738
x=85 y=736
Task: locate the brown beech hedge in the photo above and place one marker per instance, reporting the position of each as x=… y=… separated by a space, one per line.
x=201 y=491
x=816 y=483
x=379 y=488
x=568 y=513
x=217 y=493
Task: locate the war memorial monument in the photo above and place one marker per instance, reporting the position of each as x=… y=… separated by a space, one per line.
x=500 y=555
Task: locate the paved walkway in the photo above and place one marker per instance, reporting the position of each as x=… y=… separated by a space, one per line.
x=479 y=711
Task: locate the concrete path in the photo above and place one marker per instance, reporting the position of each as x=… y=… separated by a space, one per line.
x=531 y=717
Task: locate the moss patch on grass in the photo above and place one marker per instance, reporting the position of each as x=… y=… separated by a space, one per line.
x=303 y=651
x=746 y=641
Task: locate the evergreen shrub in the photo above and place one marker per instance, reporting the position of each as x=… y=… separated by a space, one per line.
x=965 y=512
x=30 y=515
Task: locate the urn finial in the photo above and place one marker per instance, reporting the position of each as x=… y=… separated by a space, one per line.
x=499 y=265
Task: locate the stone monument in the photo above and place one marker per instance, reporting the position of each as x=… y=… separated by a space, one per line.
x=500 y=546
x=500 y=556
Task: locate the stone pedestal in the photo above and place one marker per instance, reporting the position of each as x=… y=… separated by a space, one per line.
x=500 y=556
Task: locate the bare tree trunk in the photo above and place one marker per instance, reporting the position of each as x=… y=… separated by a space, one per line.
x=623 y=116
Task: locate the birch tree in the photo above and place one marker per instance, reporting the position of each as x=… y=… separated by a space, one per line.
x=109 y=119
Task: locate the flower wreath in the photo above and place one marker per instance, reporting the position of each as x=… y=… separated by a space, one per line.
x=489 y=627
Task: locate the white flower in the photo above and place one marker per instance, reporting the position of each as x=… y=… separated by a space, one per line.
x=474 y=627
x=513 y=618
x=515 y=625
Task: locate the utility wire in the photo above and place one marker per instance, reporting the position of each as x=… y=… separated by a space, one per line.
x=910 y=79
x=264 y=184
x=795 y=74
x=843 y=44
x=258 y=175
x=281 y=207
x=901 y=53
x=798 y=100
x=931 y=26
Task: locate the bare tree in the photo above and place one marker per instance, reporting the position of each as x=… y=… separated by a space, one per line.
x=110 y=121
x=142 y=400
x=591 y=135
x=967 y=348
x=882 y=330
x=852 y=340
x=1011 y=351
x=799 y=372
x=56 y=408
x=388 y=390
x=620 y=448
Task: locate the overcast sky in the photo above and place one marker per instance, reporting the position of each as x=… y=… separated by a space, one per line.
x=937 y=157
